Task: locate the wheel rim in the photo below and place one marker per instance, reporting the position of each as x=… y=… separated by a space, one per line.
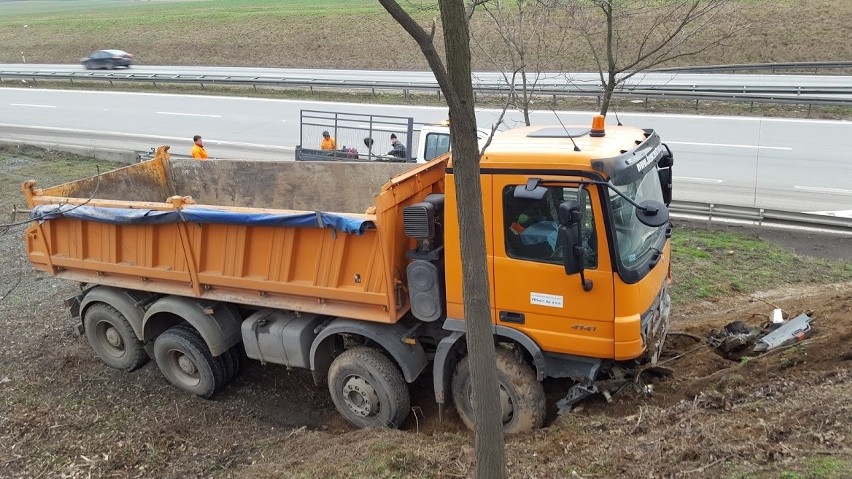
x=110 y=339
x=360 y=397
x=507 y=406
x=183 y=368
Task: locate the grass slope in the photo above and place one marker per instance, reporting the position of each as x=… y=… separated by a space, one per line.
x=714 y=264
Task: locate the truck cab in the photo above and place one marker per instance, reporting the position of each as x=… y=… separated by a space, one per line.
x=434 y=141
x=578 y=248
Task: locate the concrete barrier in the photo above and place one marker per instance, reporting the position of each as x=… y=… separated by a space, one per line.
x=126 y=157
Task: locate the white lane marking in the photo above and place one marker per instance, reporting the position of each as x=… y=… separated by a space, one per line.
x=727 y=145
x=837 y=214
x=32 y=105
x=691 y=179
x=187 y=114
x=820 y=189
x=144 y=136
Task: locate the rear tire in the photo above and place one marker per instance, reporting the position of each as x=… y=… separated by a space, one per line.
x=186 y=362
x=230 y=360
x=522 y=398
x=228 y=366
x=237 y=358
x=368 y=389
x=113 y=339
x=110 y=66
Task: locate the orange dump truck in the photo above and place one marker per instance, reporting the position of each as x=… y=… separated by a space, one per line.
x=353 y=270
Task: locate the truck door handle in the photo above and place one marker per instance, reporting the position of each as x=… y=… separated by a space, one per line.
x=655 y=259
x=511 y=317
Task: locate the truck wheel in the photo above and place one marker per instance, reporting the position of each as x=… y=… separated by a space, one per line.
x=186 y=362
x=112 y=338
x=522 y=399
x=229 y=360
x=368 y=389
x=237 y=358
x=228 y=366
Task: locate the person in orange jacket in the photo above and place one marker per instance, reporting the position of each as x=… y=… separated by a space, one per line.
x=328 y=142
x=198 y=151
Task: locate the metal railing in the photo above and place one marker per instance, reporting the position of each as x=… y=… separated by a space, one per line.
x=757 y=67
x=800 y=94
x=761 y=216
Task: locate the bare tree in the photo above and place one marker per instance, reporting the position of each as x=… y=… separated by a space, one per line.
x=533 y=40
x=456 y=84
x=627 y=37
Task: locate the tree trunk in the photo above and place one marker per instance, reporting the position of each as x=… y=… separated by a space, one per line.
x=606 y=97
x=490 y=456
x=456 y=83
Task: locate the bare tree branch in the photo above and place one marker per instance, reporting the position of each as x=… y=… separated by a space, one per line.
x=533 y=38
x=670 y=30
x=424 y=41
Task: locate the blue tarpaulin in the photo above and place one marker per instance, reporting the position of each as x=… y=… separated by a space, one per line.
x=133 y=216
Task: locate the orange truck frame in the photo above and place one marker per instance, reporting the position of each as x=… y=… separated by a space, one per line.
x=202 y=265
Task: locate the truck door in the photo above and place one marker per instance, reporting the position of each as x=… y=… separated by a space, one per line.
x=532 y=292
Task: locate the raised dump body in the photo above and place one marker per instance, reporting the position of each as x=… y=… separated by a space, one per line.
x=312 y=237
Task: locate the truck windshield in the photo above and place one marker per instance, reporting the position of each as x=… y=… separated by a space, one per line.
x=634 y=240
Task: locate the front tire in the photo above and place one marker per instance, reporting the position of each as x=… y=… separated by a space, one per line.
x=368 y=389
x=112 y=338
x=186 y=362
x=522 y=400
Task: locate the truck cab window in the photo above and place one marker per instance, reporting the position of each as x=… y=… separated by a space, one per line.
x=531 y=226
x=436 y=145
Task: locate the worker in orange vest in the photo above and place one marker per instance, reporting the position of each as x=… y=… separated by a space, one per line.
x=198 y=151
x=328 y=142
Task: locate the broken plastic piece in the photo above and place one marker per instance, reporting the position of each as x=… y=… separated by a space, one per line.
x=734 y=338
x=577 y=393
x=791 y=332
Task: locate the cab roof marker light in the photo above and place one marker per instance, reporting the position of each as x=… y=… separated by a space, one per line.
x=598 y=129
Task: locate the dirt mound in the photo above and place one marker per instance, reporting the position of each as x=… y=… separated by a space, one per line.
x=829 y=347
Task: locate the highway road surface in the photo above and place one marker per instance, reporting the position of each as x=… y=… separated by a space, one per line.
x=789 y=164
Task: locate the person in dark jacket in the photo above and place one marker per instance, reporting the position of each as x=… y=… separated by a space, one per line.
x=398 y=148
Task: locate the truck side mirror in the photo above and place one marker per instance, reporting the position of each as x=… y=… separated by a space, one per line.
x=568 y=238
x=664 y=170
x=666 y=184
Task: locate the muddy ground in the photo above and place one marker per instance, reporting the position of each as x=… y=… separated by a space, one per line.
x=65 y=414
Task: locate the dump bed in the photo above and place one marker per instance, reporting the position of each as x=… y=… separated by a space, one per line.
x=316 y=237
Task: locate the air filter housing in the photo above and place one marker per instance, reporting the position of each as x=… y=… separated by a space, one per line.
x=418 y=220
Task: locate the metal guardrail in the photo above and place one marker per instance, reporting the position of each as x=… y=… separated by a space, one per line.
x=821 y=95
x=756 y=66
x=762 y=216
